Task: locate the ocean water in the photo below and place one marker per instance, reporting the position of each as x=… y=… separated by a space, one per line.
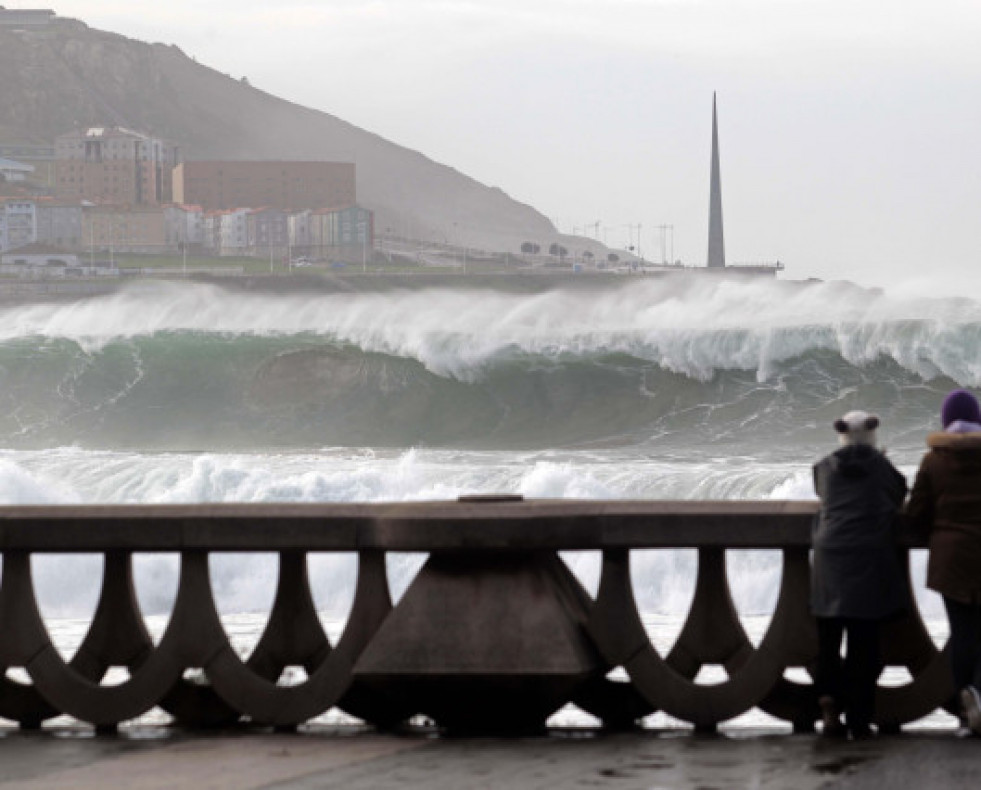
x=641 y=388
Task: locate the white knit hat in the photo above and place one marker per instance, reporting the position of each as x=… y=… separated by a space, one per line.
x=857 y=427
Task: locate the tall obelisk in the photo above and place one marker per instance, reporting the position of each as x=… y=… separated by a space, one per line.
x=717 y=247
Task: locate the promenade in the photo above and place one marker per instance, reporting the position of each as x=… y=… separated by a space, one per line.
x=355 y=759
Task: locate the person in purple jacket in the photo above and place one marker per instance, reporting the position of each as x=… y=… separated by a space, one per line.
x=945 y=505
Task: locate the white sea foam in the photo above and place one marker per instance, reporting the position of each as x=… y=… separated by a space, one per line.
x=663 y=579
x=341 y=475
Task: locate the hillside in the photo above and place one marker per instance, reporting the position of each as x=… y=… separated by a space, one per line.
x=70 y=75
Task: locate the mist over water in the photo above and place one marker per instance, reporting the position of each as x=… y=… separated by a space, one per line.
x=649 y=388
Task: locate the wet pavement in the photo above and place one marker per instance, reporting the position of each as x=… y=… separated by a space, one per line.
x=356 y=759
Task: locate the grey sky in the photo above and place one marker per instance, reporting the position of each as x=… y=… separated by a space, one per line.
x=850 y=131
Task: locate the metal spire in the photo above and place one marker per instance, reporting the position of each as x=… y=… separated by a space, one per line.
x=716 y=250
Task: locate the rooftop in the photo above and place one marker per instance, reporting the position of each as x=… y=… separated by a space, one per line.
x=10 y=164
x=37 y=248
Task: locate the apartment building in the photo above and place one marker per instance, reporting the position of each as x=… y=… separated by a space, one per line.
x=299 y=230
x=59 y=224
x=343 y=232
x=18 y=223
x=183 y=225
x=227 y=232
x=268 y=228
x=114 y=165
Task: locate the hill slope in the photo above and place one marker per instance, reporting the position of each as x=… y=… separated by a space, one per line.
x=71 y=75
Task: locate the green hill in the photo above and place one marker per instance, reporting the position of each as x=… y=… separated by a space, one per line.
x=69 y=75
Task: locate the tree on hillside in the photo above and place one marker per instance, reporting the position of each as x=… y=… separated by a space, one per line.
x=530 y=248
x=613 y=258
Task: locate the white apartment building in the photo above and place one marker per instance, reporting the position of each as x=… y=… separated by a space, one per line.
x=18 y=223
x=234 y=232
x=184 y=225
x=299 y=230
x=227 y=232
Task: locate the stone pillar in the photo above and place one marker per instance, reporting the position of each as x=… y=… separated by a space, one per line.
x=484 y=642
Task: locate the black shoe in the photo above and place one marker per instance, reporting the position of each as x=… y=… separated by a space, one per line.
x=861 y=732
x=831 y=725
x=971 y=704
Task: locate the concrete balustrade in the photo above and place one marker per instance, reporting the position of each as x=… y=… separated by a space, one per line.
x=495 y=633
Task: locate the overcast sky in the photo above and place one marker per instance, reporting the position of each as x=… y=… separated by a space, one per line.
x=850 y=131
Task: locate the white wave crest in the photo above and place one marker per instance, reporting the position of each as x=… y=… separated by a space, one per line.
x=18 y=486
x=693 y=326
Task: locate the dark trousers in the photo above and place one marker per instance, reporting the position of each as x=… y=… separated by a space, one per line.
x=965 y=642
x=850 y=681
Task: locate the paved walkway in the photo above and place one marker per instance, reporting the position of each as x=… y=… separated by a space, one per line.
x=148 y=758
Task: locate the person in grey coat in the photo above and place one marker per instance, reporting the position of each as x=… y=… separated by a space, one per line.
x=857 y=579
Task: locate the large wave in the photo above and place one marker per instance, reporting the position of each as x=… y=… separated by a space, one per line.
x=670 y=360
x=690 y=325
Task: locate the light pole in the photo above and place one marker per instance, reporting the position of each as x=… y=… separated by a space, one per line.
x=664 y=242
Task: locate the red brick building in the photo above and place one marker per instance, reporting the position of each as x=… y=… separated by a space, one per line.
x=289 y=186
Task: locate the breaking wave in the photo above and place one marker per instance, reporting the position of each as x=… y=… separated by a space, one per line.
x=671 y=360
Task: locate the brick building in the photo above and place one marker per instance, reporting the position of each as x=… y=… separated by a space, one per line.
x=114 y=165
x=289 y=186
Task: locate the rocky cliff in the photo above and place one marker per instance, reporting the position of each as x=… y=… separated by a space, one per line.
x=70 y=75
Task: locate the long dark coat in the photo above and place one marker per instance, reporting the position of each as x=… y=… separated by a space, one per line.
x=857 y=571
x=946 y=506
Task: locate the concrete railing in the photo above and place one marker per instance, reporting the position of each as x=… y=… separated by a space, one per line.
x=494 y=633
